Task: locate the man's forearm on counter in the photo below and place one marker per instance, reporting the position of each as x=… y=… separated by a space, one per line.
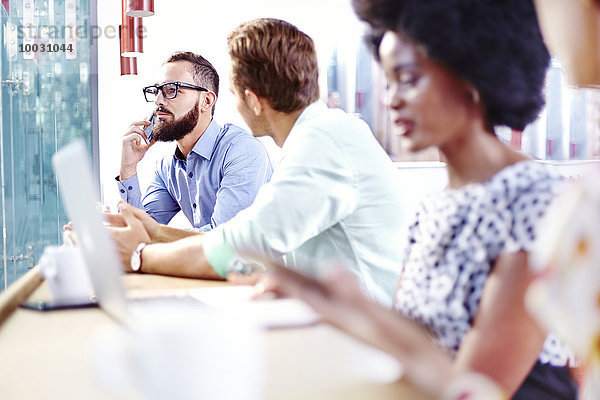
x=184 y=258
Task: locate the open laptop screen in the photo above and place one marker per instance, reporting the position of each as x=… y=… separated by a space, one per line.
x=71 y=165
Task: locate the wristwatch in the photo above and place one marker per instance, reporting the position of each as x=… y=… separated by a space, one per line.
x=136 y=258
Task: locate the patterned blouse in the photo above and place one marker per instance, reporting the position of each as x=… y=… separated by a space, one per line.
x=455 y=239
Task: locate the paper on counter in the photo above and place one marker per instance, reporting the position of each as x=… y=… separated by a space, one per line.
x=267 y=313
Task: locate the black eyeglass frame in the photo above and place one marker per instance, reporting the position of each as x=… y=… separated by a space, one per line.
x=177 y=86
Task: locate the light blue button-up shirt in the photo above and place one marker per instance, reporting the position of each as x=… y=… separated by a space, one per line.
x=335 y=196
x=220 y=177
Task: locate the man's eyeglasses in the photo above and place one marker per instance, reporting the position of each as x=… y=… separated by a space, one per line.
x=169 y=90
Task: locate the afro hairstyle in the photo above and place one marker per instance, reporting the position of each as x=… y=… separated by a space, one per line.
x=495 y=45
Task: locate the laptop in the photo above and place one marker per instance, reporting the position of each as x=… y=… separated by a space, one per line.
x=75 y=181
x=76 y=185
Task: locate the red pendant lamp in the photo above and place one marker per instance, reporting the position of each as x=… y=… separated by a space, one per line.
x=128 y=64
x=140 y=8
x=132 y=33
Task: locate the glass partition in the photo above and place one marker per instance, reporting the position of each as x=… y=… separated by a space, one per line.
x=47 y=98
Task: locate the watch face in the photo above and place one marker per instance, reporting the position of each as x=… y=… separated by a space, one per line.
x=135 y=261
x=136 y=258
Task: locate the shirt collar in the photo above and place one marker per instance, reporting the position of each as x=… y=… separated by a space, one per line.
x=205 y=144
x=311 y=111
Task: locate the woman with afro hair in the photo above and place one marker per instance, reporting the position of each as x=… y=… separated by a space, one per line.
x=456 y=69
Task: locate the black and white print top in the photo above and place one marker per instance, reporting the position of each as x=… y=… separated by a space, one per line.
x=456 y=237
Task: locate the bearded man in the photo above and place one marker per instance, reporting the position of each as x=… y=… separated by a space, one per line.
x=216 y=170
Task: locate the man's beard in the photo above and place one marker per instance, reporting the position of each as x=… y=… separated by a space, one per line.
x=169 y=131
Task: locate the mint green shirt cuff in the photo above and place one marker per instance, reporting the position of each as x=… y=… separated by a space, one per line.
x=218 y=252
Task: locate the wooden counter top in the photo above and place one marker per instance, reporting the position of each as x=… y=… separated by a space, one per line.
x=46 y=355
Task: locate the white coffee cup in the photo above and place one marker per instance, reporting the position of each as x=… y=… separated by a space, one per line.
x=65 y=271
x=181 y=351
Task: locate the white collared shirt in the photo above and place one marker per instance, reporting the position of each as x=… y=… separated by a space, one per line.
x=333 y=197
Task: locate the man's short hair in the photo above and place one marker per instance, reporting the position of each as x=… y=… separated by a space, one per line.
x=276 y=61
x=203 y=72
